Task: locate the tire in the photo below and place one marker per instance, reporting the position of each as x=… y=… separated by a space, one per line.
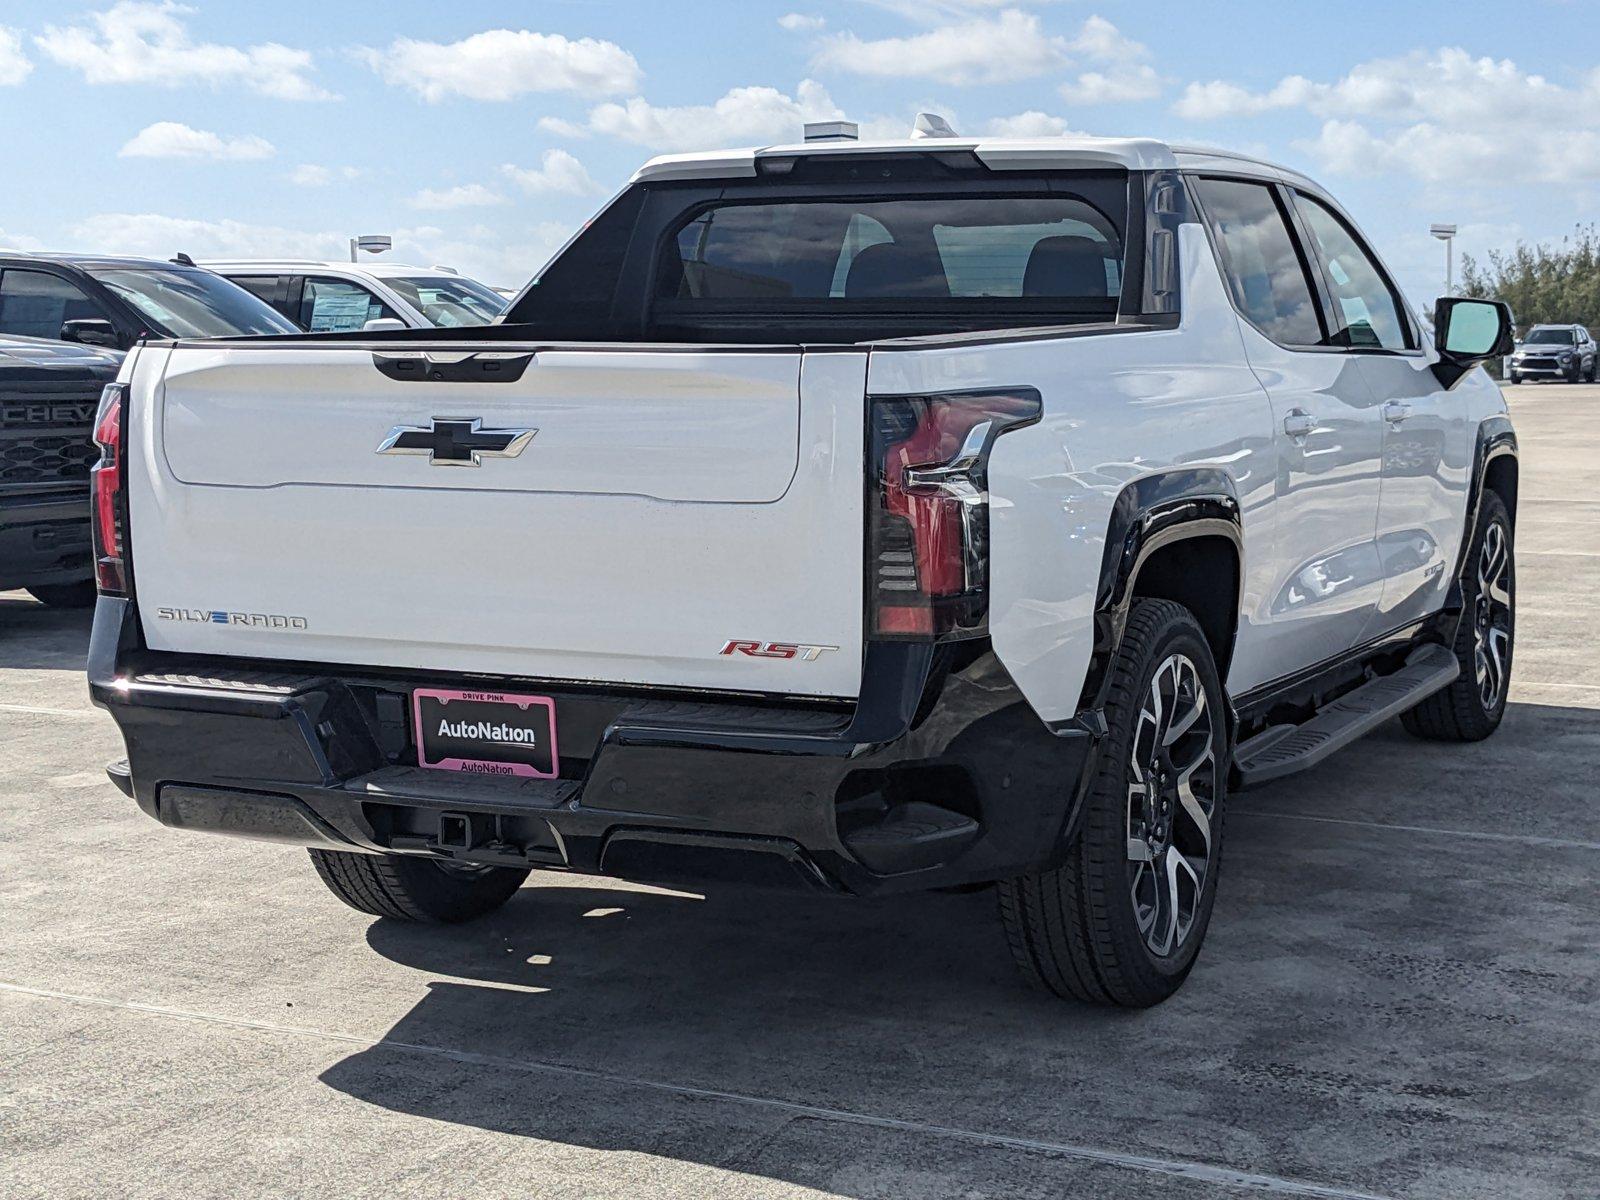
x=411 y=888
x=1515 y=379
x=65 y=595
x=1471 y=708
x=1078 y=930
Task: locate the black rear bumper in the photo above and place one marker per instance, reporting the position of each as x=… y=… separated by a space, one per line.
x=941 y=774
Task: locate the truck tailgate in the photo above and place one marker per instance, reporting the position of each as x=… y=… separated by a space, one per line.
x=629 y=513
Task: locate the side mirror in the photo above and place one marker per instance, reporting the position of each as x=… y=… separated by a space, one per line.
x=91 y=331
x=1470 y=332
x=383 y=325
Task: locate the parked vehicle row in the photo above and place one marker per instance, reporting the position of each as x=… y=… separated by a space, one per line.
x=1565 y=352
x=49 y=391
x=103 y=305
x=334 y=297
x=892 y=516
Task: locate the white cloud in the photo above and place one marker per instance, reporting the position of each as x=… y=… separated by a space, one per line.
x=316 y=175
x=477 y=251
x=1123 y=74
x=19 y=241
x=745 y=116
x=1030 y=124
x=801 y=22
x=14 y=65
x=172 y=139
x=1439 y=116
x=1220 y=100
x=558 y=172
x=502 y=64
x=1440 y=155
x=468 y=195
x=147 y=41
x=1449 y=86
x=1009 y=46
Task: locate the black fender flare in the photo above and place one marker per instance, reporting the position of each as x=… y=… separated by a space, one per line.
x=1497 y=439
x=1150 y=513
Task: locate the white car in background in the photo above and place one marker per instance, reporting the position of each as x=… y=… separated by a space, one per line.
x=326 y=297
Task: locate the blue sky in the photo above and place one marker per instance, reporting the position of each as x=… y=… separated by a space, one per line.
x=480 y=133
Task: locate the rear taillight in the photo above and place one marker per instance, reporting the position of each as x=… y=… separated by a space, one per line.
x=106 y=480
x=928 y=525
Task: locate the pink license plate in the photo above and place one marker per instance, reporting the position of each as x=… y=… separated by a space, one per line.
x=486 y=733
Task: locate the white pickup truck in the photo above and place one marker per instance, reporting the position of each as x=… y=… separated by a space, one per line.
x=921 y=514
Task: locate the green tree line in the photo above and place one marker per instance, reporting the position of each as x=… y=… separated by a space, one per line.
x=1544 y=284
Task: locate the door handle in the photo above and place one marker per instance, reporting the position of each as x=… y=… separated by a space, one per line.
x=1396 y=411
x=1299 y=424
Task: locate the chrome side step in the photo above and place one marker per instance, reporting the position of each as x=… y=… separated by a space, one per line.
x=1284 y=749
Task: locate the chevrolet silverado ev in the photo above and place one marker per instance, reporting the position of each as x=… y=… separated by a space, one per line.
x=915 y=514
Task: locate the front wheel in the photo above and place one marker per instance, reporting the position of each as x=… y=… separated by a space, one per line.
x=1471 y=708
x=409 y=887
x=1121 y=921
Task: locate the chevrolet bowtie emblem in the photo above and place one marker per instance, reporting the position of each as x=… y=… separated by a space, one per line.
x=456 y=441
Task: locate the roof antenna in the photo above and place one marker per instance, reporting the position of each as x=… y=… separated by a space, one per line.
x=183 y=260
x=932 y=125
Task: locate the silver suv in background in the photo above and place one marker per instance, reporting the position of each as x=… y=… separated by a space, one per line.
x=1555 y=352
x=338 y=297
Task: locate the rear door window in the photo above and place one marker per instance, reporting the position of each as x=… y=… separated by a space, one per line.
x=1264 y=269
x=330 y=305
x=37 y=304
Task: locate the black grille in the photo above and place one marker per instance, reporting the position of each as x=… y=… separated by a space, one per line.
x=45 y=432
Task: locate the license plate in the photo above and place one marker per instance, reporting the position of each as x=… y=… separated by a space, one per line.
x=486 y=733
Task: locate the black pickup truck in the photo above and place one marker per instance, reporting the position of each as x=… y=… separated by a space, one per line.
x=49 y=391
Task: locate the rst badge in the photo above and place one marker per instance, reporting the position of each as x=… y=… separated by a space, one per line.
x=797 y=651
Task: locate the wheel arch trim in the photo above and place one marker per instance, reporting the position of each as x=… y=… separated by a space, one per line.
x=1149 y=515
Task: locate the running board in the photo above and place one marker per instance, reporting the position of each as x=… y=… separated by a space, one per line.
x=1284 y=749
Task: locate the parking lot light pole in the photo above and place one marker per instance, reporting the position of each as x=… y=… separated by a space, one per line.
x=372 y=243
x=1447 y=235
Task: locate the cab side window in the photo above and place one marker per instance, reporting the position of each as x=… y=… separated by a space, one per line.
x=338 y=306
x=37 y=304
x=1264 y=270
x=1367 y=313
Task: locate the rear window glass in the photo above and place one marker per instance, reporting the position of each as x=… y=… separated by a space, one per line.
x=1057 y=251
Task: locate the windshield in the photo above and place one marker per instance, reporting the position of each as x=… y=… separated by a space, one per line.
x=450 y=300
x=194 y=304
x=1551 y=337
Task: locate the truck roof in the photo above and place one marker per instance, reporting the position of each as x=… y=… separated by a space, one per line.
x=998 y=154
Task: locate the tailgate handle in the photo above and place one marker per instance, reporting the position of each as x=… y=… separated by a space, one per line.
x=489 y=366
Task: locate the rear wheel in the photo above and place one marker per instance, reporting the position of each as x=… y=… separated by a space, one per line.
x=65 y=595
x=412 y=888
x=1121 y=921
x=1471 y=708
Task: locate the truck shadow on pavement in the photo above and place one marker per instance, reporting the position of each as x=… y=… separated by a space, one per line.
x=33 y=637
x=1379 y=995
x=639 y=999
